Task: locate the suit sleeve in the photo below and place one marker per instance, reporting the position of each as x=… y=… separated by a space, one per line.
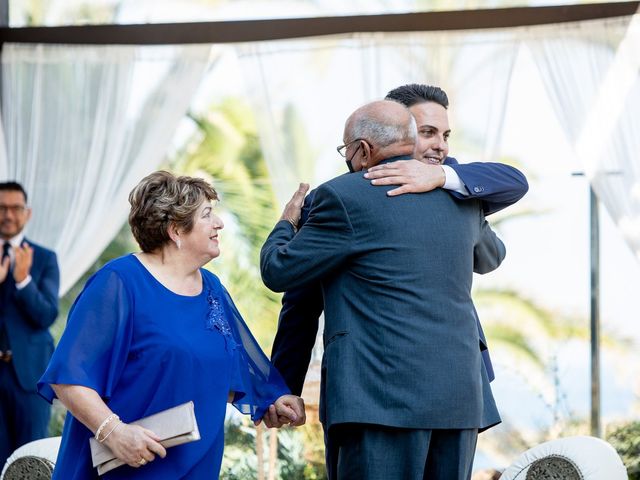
x=489 y=252
x=39 y=299
x=296 y=334
x=322 y=244
x=297 y=326
x=497 y=185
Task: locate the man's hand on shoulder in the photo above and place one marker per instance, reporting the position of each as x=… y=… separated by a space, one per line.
x=293 y=208
x=413 y=176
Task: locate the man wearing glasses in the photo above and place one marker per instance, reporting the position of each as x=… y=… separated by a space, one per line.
x=29 y=281
x=404 y=390
x=496 y=185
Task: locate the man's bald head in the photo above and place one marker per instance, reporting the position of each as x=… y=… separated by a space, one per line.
x=379 y=130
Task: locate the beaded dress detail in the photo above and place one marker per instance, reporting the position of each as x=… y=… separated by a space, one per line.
x=215 y=315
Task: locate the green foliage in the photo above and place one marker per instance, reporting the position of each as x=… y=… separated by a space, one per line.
x=42 y=12
x=626 y=440
x=240 y=460
x=56 y=420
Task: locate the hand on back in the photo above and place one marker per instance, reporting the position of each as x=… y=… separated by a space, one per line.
x=293 y=209
x=413 y=176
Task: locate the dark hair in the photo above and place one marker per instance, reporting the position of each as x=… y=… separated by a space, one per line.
x=409 y=95
x=13 y=187
x=161 y=200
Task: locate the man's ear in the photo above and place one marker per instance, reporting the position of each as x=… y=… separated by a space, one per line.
x=366 y=160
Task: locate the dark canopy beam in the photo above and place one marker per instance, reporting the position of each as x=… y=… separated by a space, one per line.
x=257 y=30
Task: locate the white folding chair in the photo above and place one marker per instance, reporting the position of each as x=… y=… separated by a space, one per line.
x=570 y=458
x=34 y=460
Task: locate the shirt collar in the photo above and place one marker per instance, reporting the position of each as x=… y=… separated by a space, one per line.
x=17 y=240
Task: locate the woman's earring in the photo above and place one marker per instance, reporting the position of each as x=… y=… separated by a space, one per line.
x=178 y=243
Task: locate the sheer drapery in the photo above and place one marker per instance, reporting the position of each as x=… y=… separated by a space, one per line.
x=3 y=153
x=83 y=124
x=302 y=92
x=591 y=73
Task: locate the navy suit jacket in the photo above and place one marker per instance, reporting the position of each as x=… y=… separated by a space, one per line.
x=495 y=185
x=27 y=315
x=401 y=338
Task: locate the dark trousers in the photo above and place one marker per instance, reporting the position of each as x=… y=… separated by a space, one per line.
x=374 y=452
x=24 y=416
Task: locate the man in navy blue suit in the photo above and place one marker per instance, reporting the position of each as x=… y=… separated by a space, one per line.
x=496 y=185
x=404 y=390
x=29 y=282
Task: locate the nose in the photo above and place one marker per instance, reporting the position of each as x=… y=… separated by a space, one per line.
x=441 y=144
x=218 y=224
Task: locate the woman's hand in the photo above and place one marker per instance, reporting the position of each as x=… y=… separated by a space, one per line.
x=134 y=445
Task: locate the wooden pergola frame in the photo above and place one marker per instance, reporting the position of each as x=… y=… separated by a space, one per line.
x=278 y=29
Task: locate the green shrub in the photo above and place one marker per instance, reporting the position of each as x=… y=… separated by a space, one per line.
x=626 y=440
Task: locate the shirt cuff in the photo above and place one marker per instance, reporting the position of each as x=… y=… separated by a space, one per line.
x=452 y=181
x=23 y=283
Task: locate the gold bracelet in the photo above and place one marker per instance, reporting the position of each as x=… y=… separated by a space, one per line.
x=104 y=424
x=115 y=427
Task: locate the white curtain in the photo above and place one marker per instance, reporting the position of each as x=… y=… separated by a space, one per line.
x=3 y=153
x=302 y=91
x=591 y=72
x=82 y=125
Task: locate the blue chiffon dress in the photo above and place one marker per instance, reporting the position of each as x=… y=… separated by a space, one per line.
x=144 y=349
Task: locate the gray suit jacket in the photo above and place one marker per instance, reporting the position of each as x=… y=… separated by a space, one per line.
x=401 y=341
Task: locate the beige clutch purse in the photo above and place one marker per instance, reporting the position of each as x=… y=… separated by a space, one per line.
x=174 y=426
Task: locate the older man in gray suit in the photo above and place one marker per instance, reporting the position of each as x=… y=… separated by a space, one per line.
x=404 y=391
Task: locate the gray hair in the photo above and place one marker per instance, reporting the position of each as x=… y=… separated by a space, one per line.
x=383 y=132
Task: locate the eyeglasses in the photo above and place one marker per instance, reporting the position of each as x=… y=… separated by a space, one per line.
x=15 y=209
x=342 y=149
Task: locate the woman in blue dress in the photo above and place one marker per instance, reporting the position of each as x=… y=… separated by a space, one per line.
x=153 y=330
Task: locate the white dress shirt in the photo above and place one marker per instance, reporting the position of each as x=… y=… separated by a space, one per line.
x=452 y=181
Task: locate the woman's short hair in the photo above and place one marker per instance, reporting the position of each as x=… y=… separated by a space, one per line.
x=161 y=200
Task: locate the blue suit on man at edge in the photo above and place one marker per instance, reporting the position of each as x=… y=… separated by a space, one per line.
x=25 y=317
x=496 y=186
